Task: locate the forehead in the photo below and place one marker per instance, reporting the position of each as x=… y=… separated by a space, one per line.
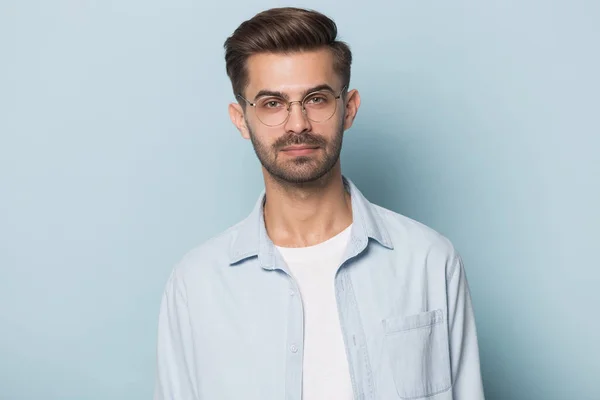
x=291 y=73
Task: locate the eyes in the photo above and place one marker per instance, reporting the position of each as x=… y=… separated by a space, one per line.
x=318 y=106
x=312 y=100
x=317 y=99
x=273 y=104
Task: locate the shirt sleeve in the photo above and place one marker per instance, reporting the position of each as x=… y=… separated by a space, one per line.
x=464 y=351
x=175 y=379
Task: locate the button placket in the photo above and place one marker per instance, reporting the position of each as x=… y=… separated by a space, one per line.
x=295 y=339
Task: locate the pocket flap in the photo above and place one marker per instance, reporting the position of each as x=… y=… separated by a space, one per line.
x=415 y=321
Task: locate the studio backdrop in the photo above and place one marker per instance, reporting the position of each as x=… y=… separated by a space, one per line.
x=117 y=156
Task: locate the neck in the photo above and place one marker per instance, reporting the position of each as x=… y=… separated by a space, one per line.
x=306 y=214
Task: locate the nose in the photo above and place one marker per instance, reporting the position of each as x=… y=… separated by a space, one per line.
x=297 y=121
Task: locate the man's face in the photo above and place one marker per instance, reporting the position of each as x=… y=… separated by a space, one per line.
x=298 y=150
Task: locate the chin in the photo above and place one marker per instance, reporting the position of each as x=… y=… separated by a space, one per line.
x=299 y=177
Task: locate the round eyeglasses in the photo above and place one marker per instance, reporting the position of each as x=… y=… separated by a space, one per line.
x=317 y=106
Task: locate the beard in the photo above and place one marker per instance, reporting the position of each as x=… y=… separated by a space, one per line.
x=300 y=169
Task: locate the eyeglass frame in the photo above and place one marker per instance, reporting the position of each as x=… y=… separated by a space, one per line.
x=301 y=102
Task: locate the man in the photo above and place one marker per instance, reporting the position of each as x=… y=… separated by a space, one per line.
x=318 y=294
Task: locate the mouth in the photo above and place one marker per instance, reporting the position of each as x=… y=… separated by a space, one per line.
x=299 y=150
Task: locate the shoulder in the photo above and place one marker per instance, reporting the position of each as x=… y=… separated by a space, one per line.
x=409 y=236
x=209 y=255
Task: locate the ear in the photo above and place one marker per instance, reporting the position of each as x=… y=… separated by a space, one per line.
x=352 y=105
x=237 y=117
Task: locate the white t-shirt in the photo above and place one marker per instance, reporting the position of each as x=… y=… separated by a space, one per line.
x=325 y=367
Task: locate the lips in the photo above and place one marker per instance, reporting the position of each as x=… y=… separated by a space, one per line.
x=294 y=151
x=296 y=148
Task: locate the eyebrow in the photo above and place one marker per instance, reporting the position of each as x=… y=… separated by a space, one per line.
x=275 y=93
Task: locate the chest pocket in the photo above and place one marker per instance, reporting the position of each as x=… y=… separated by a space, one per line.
x=418 y=353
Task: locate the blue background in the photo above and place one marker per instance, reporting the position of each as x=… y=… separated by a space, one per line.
x=117 y=156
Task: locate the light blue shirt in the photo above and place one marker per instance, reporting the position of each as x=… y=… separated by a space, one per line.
x=231 y=320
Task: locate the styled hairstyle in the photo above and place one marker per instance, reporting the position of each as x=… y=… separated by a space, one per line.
x=283 y=30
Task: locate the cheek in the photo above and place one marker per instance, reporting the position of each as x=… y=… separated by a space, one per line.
x=334 y=126
x=266 y=136
x=342 y=115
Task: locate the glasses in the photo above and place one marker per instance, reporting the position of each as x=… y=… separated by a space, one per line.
x=317 y=106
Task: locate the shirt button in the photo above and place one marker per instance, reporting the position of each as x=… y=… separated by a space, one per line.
x=291 y=292
x=294 y=348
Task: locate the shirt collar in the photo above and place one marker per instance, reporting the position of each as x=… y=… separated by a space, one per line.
x=252 y=239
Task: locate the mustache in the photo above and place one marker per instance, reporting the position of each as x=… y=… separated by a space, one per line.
x=297 y=139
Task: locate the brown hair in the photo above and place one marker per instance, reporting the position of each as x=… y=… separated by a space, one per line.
x=283 y=30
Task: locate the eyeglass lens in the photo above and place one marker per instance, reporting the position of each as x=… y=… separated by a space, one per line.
x=318 y=107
